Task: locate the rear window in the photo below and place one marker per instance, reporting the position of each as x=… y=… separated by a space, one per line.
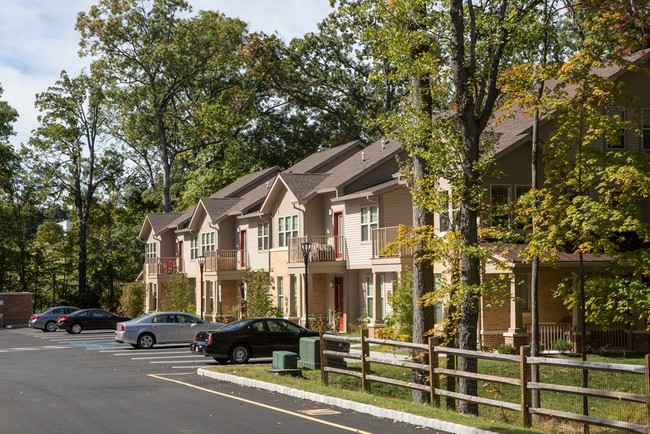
x=237 y=325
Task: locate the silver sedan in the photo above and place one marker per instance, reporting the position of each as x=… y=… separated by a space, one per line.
x=161 y=328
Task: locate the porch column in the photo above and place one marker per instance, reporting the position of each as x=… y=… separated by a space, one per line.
x=516 y=334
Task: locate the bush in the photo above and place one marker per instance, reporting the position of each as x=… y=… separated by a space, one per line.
x=561 y=345
x=132 y=299
x=506 y=349
x=259 y=301
x=178 y=294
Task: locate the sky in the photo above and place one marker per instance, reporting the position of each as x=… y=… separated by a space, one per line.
x=38 y=40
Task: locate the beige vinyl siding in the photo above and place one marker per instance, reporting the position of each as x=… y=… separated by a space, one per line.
x=359 y=252
x=378 y=175
x=285 y=208
x=397 y=209
x=257 y=259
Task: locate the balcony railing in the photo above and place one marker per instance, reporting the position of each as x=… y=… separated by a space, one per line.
x=381 y=237
x=323 y=248
x=164 y=265
x=226 y=260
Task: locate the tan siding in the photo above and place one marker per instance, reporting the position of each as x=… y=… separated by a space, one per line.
x=359 y=252
x=396 y=209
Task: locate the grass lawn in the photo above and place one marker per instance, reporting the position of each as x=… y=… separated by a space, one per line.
x=491 y=418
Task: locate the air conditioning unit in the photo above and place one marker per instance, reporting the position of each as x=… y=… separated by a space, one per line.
x=283 y=360
x=309 y=353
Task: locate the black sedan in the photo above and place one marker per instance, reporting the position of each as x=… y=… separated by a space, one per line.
x=89 y=319
x=250 y=338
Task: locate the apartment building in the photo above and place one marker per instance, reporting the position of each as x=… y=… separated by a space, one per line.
x=319 y=228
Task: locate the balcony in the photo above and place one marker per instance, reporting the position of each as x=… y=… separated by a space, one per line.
x=156 y=266
x=324 y=248
x=226 y=260
x=381 y=237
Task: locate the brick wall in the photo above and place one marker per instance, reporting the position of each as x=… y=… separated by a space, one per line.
x=16 y=307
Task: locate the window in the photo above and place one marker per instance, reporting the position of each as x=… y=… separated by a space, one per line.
x=645 y=129
x=287 y=228
x=370 y=299
x=521 y=190
x=445 y=221
x=521 y=289
x=437 y=284
x=500 y=201
x=382 y=292
x=617 y=140
x=263 y=236
x=207 y=242
x=150 y=250
x=194 y=248
x=281 y=294
x=369 y=221
x=293 y=295
x=208 y=289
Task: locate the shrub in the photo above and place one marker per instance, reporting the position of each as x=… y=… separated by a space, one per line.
x=506 y=349
x=561 y=345
x=259 y=301
x=132 y=299
x=178 y=294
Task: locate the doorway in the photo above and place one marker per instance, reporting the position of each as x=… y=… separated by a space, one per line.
x=339 y=301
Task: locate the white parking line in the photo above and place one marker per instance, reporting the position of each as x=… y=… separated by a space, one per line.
x=162 y=357
x=131 y=353
x=175 y=361
x=46 y=347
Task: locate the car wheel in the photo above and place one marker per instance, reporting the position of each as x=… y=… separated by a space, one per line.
x=221 y=360
x=240 y=353
x=146 y=341
x=76 y=328
x=50 y=327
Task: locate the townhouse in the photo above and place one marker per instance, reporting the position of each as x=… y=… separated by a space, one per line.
x=319 y=228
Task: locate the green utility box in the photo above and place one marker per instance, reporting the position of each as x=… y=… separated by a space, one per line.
x=309 y=353
x=283 y=360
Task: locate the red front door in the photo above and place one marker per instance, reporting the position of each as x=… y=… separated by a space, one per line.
x=338 y=300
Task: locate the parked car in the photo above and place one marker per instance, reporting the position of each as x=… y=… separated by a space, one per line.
x=89 y=319
x=46 y=320
x=161 y=328
x=250 y=338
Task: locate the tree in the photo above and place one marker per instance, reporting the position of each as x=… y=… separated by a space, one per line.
x=258 y=296
x=177 y=82
x=67 y=153
x=177 y=294
x=132 y=299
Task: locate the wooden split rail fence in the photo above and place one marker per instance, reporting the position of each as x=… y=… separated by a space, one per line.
x=524 y=360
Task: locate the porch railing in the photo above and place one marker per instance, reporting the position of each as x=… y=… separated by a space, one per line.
x=551 y=332
x=381 y=237
x=226 y=260
x=323 y=248
x=164 y=265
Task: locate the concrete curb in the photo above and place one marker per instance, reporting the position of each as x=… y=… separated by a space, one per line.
x=397 y=416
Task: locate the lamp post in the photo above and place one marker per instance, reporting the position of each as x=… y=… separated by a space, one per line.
x=306 y=249
x=201 y=261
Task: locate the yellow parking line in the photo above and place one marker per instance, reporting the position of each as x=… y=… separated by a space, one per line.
x=259 y=404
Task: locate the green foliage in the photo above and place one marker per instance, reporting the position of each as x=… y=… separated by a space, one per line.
x=259 y=302
x=132 y=299
x=506 y=349
x=561 y=345
x=402 y=302
x=178 y=294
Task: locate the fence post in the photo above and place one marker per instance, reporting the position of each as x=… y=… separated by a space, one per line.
x=365 y=365
x=647 y=392
x=524 y=376
x=433 y=365
x=323 y=359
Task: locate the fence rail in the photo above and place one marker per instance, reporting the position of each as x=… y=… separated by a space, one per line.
x=525 y=407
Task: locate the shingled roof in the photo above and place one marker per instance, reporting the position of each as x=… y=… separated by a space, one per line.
x=513 y=129
x=158 y=223
x=322 y=161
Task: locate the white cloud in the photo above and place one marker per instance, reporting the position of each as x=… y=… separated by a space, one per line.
x=38 y=40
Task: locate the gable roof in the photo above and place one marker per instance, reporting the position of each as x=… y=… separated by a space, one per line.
x=322 y=161
x=157 y=223
x=242 y=185
x=516 y=129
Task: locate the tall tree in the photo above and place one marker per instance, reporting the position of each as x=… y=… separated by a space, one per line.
x=177 y=81
x=66 y=151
